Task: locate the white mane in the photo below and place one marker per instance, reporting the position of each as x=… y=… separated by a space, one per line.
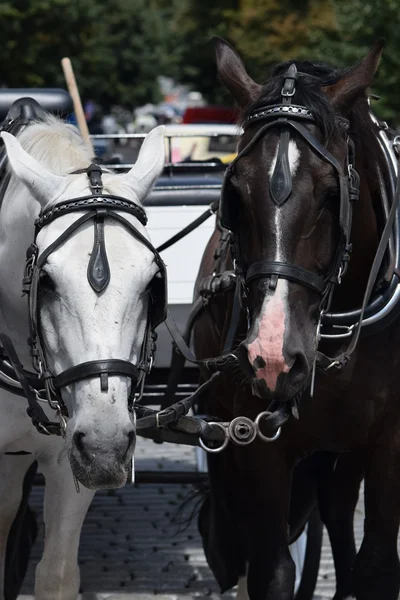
x=59 y=147
x=56 y=145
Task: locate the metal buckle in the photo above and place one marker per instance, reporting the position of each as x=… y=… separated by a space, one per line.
x=264 y=415
x=219 y=448
x=288 y=94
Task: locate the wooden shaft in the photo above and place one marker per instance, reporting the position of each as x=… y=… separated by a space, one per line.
x=76 y=99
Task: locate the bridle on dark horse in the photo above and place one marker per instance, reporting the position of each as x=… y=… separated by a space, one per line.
x=288 y=117
x=97 y=208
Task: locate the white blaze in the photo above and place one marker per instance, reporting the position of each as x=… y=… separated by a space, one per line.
x=274 y=314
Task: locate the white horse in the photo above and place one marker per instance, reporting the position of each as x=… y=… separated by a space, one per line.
x=77 y=325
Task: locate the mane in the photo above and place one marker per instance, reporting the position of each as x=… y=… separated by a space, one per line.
x=59 y=147
x=56 y=145
x=311 y=77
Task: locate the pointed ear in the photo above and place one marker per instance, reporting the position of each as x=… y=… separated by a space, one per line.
x=42 y=183
x=355 y=82
x=234 y=75
x=149 y=164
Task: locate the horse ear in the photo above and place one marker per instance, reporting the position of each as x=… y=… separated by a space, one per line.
x=355 y=82
x=149 y=164
x=42 y=183
x=234 y=75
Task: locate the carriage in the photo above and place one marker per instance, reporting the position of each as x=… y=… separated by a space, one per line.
x=182 y=418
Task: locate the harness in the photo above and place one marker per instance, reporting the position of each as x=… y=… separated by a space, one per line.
x=171 y=423
x=98 y=208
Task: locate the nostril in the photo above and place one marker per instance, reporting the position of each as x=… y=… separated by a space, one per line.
x=131 y=442
x=131 y=438
x=77 y=438
x=299 y=369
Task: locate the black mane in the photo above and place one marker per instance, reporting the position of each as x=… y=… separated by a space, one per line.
x=312 y=76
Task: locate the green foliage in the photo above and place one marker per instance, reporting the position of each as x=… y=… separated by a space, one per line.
x=117 y=47
x=266 y=32
x=360 y=23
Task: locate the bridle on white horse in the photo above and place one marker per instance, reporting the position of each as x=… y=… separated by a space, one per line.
x=97 y=208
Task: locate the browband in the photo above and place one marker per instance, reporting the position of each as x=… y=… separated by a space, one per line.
x=105 y=200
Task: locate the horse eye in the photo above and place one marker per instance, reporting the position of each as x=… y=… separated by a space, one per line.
x=329 y=196
x=46 y=282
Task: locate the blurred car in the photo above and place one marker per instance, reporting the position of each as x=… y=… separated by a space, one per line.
x=200 y=142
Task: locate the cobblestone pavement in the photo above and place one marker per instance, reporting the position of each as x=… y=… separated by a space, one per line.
x=131 y=546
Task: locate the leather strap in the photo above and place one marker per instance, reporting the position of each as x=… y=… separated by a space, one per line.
x=171 y=414
x=95 y=368
x=219 y=363
x=34 y=410
x=265 y=268
x=324 y=362
x=90 y=202
x=211 y=210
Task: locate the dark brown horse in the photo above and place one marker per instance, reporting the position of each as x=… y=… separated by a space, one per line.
x=283 y=201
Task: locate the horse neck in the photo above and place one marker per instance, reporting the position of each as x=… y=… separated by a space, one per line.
x=16 y=233
x=364 y=231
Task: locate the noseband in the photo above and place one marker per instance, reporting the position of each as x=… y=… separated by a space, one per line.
x=97 y=209
x=289 y=117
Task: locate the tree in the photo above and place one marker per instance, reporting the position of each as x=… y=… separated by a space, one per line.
x=263 y=31
x=118 y=47
x=359 y=24
x=266 y=32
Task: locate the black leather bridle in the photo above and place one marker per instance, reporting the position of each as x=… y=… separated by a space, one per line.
x=97 y=208
x=287 y=117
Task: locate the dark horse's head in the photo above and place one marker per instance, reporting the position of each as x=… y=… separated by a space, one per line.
x=283 y=201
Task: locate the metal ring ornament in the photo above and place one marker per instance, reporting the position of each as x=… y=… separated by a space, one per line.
x=264 y=415
x=242 y=438
x=219 y=448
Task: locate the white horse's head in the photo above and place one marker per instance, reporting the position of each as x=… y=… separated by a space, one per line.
x=78 y=324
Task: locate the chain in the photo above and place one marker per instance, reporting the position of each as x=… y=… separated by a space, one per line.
x=241 y=431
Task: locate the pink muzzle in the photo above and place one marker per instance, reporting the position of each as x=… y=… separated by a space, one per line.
x=265 y=352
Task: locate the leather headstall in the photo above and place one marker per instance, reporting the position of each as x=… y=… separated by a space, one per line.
x=97 y=208
x=290 y=117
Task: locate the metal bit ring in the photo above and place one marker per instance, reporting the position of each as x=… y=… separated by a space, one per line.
x=219 y=448
x=265 y=438
x=242 y=431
